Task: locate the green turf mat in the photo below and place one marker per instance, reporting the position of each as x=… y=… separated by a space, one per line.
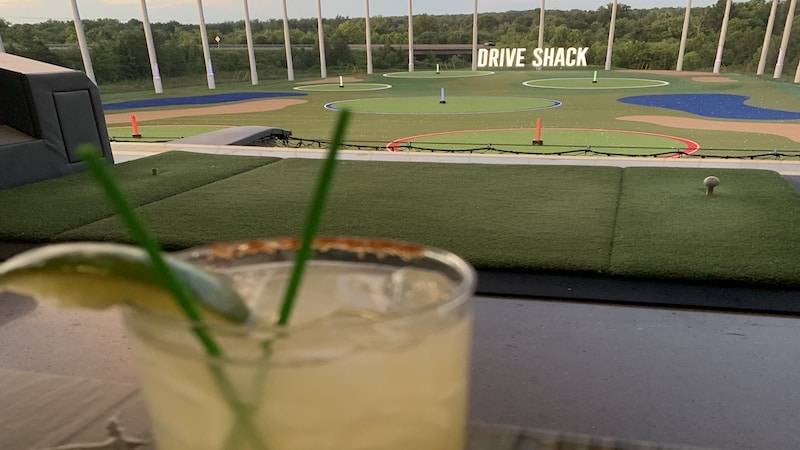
x=667 y=228
x=504 y=217
x=37 y=212
x=634 y=223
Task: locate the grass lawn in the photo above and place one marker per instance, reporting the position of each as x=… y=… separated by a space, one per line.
x=580 y=108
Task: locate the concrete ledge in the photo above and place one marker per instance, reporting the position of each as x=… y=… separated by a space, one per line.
x=762 y=299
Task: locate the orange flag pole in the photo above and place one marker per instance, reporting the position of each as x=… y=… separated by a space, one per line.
x=135 y=127
x=538 y=140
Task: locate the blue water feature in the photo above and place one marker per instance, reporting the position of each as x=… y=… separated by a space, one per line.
x=718 y=106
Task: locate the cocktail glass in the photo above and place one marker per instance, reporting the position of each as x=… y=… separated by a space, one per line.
x=375 y=356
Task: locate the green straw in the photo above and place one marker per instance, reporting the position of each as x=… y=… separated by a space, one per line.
x=185 y=301
x=313 y=219
x=149 y=244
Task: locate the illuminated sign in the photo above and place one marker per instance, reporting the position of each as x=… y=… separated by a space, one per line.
x=542 y=57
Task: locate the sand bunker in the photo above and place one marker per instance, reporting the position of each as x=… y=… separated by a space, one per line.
x=667 y=72
x=787 y=130
x=271 y=104
x=712 y=79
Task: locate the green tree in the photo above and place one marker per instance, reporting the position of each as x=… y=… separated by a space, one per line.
x=338 y=51
x=644 y=38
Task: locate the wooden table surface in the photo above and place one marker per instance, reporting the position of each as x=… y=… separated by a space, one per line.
x=44 y=411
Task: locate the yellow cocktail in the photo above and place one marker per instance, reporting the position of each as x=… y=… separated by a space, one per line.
x=375 y=356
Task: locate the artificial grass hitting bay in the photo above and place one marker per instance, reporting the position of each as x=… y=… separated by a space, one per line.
x=631 y=223
x=625 y=223
x=38 y=212
x=667 y=228
x=515 y=218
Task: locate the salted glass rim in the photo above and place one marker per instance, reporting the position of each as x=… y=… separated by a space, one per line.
x=206 y=256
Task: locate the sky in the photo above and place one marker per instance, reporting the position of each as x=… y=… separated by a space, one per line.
x=215 y=11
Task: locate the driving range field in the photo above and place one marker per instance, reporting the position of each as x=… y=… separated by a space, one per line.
x=581 y=112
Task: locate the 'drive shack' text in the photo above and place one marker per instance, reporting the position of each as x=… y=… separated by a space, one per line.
x=542 y=57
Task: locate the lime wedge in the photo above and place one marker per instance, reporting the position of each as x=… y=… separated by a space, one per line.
x=99 y=275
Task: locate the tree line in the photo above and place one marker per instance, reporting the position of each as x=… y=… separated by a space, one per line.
x=643 y=39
